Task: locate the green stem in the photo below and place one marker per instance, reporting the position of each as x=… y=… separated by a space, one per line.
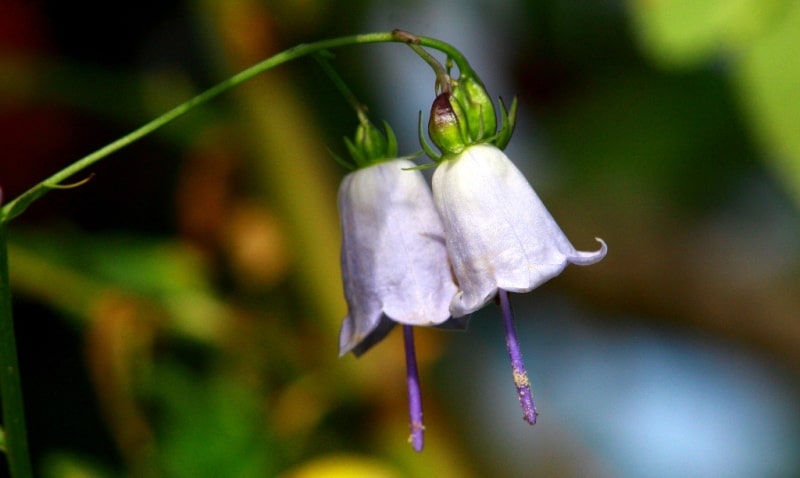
x=349 y=96
x=442 y=76
x=16 y=441
x=20 y=203
x=444 y=47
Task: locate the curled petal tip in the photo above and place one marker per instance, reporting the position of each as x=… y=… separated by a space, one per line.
x=603 y=245
x=583 y=258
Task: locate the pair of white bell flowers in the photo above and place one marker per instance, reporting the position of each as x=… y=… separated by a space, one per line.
x=416 y=258
x=430 y=256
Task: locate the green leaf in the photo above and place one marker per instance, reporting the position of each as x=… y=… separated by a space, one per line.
x=70 y=271
x=768 y=78
x=676 y=136
x=210 y=426
x=685 y=33
x=64 y=465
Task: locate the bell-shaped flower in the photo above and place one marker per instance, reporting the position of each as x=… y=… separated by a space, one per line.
x=500 y=238
x=499 y=235
x=394 y=260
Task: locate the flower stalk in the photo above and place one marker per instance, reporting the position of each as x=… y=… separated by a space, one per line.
x=18 y=205
x=16 y=435
x=443 y=79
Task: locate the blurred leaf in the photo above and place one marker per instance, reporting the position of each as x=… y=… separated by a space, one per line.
x=291 y=169
x=768 y=76
x=144 y=264
x=68 y=466
x=70 y=271
x=2 y=440
x=687 y=32
x=675 y=136
x=130 y=98
x=209 y=426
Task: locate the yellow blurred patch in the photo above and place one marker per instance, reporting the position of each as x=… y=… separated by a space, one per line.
x=344 y=466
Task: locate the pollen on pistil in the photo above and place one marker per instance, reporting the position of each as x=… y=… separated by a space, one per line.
x=521 y=379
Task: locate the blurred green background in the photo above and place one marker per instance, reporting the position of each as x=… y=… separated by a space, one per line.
x=178 y=315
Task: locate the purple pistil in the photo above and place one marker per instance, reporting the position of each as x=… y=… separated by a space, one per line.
x=517 y=366
x=417 y=437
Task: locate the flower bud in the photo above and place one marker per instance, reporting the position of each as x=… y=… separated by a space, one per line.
x=373 y=143
x=369 y=146
x=447 y=125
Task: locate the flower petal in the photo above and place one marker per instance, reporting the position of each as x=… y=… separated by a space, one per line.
x=499 y=233
x=394 y=260
x=363 y=342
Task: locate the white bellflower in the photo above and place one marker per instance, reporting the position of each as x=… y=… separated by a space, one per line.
x=500 y=238
x=394 y=260
x=499 y=234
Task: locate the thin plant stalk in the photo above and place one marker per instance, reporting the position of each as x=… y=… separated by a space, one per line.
x=10 y=385
x=20 y=203
x=16 y=435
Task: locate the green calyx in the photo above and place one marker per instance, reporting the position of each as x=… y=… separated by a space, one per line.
x=477 y=106
x=465 y=116
x=374 y=144
x=369 y=146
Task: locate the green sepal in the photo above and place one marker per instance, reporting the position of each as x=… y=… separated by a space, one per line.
x=370 y=141
x=478 y=109
x=507 y=125
x=421 y=167
x=463 y=123
x=391 y=141
x=426 y=146
x=355 y=153
x=348 y=165
x=369 y=146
